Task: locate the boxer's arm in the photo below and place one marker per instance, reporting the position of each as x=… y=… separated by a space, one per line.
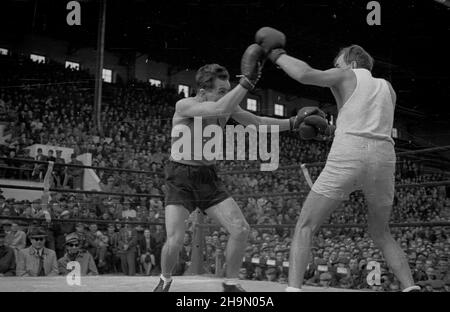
x=246 y=118
x=305 y=74
x=189 y=107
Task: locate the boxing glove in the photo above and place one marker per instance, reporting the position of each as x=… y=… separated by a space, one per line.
x=307 y=132
x=316 y=121
x=252 y=63
x=272 y=41
x=302 y=114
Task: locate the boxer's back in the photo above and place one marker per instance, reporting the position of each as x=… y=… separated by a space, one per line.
x=369 y=112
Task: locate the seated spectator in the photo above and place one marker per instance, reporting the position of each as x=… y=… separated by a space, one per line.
x=37 y=260
x=146 y=254
x=325 y=279
x=7 y=258
x=271 y=274
x=74 y=253
x=128 y=212
x=127 y=242
x=16 y=239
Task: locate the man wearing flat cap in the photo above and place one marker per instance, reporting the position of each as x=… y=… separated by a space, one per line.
x=74 y=253
x=37 y=260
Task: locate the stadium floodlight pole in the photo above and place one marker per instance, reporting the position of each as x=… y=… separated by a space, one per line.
x=99 y=73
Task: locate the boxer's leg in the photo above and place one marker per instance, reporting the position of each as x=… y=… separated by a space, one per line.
x=379 y=192
x=176 y=216
x=316 y=209
x=228 y=214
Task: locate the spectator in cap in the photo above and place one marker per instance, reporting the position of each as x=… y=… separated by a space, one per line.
x=74 y=253
x=37 y=260
x=7 y=258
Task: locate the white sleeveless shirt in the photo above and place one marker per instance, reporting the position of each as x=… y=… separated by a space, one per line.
x=369 y=112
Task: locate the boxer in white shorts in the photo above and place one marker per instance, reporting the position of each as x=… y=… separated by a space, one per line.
x=362 y=155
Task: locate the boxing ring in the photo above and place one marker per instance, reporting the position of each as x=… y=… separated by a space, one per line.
x=196 y=278
x=110 y=283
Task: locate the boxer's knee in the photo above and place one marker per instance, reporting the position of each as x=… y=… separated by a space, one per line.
x=240 y=230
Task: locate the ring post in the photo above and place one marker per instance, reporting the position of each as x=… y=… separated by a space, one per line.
x=197 y=265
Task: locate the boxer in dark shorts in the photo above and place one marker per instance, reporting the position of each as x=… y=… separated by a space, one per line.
x=192 y=182
x=193 y=186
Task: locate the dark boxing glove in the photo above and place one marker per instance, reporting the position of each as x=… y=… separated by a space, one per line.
x=307 y=132
x=302 y=114
x=252 y=63
x=316 y=121
x=272 y=41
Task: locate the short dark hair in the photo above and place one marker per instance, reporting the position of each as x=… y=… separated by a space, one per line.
x=206 y=75
x=358 y=54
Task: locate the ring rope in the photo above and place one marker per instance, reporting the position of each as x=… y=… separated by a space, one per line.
x=97 y=221
x=285 y=194
x=206 y=225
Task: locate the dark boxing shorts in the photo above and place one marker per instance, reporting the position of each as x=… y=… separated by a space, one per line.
x=193 y=186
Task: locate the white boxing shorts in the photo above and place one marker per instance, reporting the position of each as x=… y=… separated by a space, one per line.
x=358 y=163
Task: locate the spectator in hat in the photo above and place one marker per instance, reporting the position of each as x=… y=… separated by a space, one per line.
x=155 y=200
x=74 y=253
x=7 y=258
x=37 y=260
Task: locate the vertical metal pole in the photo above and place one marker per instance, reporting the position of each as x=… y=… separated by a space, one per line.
x=99 y=71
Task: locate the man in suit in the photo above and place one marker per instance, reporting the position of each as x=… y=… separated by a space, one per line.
x=37 y=260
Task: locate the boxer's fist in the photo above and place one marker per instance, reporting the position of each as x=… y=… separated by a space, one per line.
x=272 y=41
x=252 y=63
x=269 y=38
x=303 y=113
x=316 y=121
x=307 y=132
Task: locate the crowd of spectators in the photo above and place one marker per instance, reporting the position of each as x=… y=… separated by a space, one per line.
x=50 y=105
